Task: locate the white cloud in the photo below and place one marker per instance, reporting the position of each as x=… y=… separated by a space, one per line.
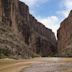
x=33 y=3
x=63 y=14
x=51 y=22
x=30 y=2
x=68 y=4
x=66 y=7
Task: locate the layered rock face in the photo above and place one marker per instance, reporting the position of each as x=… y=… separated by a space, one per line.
x=42 y=39
x=11 y=39
x=21 y=35
x=65 y=37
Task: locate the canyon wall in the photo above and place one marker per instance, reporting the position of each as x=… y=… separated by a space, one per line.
x=21 y=35
x=65 y=37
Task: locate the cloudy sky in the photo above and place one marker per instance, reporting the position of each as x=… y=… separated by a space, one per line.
x=50 y=12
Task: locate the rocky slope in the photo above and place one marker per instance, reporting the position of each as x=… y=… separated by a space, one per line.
x=65 y=37
x=21 y=35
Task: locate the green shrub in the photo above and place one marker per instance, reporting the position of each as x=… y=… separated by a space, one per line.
x=4 y=52
x=35 y=55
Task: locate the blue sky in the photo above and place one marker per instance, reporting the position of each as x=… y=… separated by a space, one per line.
x=50 y=12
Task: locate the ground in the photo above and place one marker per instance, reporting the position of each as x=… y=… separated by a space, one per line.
x=36 y=65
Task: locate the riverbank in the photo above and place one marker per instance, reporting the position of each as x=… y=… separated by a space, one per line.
x=36 y=65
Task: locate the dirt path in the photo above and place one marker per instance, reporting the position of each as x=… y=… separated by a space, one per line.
x=50 y=65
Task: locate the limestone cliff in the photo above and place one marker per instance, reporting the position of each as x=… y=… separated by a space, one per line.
x=65 y=37
x=21 y=35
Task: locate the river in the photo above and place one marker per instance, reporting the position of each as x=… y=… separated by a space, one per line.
x=50 y=65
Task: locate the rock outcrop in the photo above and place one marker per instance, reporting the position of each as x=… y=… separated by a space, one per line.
x=21 y=35
x=65 y=37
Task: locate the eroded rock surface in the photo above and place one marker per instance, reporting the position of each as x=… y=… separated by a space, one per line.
x=65 y=37
x=21 y=34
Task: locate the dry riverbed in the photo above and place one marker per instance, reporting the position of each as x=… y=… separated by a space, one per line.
x=36 y=65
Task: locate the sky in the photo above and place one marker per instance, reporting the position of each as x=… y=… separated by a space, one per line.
x=49 y=12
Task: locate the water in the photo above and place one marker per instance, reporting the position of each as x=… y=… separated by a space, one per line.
x=50 y=65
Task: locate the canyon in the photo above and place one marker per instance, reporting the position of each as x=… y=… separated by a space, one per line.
x=65 y=37
x=21 y=35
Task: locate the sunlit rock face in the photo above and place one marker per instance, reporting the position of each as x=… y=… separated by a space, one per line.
x=65 y=37
x=21 y=35
x=42 y=39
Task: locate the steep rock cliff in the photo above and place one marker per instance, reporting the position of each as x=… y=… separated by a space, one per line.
x=42 y=39
x=65 y=37
x=21 y=35
x=12 y=43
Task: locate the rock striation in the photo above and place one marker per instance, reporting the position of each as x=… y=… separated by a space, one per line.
x=43 y=39
x=21 y=35
x=65 y=37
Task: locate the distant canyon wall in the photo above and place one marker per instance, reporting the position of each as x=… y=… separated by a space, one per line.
x=65 y=37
